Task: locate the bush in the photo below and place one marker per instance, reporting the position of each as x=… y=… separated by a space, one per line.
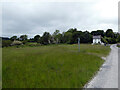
x=111 y=40
x=104 y=40
x=34 y=44
x=6 y=43
x=24 y=42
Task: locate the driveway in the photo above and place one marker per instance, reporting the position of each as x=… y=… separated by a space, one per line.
x=107 y=77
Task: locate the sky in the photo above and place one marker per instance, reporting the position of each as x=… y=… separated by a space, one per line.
x=34 y=18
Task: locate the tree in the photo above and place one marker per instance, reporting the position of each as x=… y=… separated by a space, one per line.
x=13 y=38
x=75 y=36
x=86 y=37
x=98 y=32
x=68 y=37
x=60 y=37
x=23 y=37
x=118 y=39
x=31 y=40
x=109 y=40
x=72 y=30
x=104 y=40
x=109 y=33
x=56 y=36
x=63 y=37
x=56 y=32
x=45 y=39
x=6 y=43
x=37 y=38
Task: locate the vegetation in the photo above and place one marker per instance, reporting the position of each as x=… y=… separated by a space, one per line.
x=23 y=37
x=48 y=60
x=6 y=43
x=13 y=38
x=52 y=66
x=69 y=37
x=37 y=38
x=118 y=45
x=0 y=68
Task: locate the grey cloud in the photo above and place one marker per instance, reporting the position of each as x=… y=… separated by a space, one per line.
x=35 y=18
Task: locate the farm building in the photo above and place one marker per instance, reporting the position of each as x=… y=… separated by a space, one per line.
x=97 y=39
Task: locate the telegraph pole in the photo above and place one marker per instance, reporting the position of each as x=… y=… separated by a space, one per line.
x=78 y=44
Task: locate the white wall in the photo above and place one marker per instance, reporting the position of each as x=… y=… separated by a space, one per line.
x=96 y=40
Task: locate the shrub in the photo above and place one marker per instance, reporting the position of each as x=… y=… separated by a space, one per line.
x=6 y=43
x=104 y=40
x=24 y=42
x=34 y=44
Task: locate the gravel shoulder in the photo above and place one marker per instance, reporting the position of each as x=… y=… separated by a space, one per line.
x=107 y=77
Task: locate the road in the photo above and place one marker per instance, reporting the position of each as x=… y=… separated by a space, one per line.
x=107 y=77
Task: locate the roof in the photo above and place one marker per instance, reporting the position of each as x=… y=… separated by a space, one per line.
x=97 y=37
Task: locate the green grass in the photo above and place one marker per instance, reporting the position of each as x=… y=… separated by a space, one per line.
x=0 y=68
x=118 y=45
x=54 y=66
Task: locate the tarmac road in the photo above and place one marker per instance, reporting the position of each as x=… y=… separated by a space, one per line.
x=107 y=77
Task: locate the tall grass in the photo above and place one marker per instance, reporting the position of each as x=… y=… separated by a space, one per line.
x=54 y=66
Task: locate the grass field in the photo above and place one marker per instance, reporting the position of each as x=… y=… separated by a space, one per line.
x=53 y=66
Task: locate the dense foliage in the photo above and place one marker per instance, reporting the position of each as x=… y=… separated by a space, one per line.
x=6 y=43
x=69 y=37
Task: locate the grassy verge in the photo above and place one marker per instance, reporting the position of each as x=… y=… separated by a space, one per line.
x=54 y=66
x=0 y=68
x=118 y=45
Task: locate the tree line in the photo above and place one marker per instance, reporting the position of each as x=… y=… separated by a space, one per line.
x=70 y=37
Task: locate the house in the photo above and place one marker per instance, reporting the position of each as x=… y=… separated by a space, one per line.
x=97 y=39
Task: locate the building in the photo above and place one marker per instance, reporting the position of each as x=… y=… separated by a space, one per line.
x=97 y=39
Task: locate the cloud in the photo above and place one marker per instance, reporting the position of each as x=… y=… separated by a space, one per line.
x=38 y=17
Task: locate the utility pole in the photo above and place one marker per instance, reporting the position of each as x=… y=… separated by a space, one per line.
x=78 y=44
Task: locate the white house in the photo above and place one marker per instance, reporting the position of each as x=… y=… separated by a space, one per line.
x=97 y=39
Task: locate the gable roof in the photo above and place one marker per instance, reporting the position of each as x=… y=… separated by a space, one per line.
x=97 y=37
